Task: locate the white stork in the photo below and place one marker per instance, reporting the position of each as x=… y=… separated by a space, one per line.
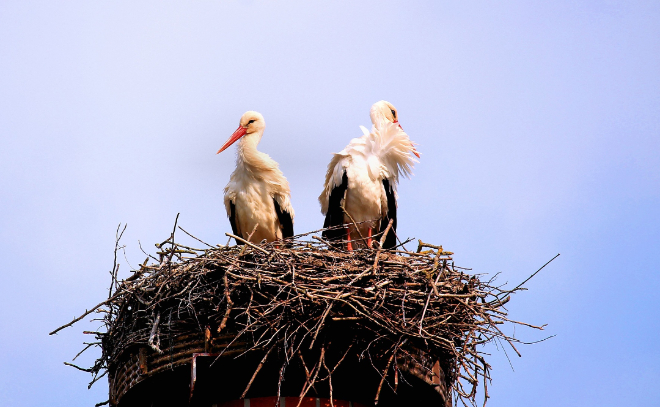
x=362 y=178
x=257 y=194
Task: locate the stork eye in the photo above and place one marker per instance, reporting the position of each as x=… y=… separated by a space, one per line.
x=251 y=121
x=393 y=113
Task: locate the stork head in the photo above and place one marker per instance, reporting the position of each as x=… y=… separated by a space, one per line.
x=384 y=110
x=251 y=122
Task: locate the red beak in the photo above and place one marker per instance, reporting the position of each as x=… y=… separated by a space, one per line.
x=240 y=132
x=413 y=149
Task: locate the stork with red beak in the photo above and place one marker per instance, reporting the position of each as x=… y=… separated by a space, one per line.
x=362 y=178
x=257 y=194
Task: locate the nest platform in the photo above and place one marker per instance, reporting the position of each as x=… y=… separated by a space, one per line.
x=298 y=321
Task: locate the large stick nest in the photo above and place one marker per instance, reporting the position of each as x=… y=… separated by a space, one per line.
x=284 y=299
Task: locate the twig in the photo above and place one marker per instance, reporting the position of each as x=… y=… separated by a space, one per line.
x=199 y=240
x=384 y=374
x=254 y=229
x=230 y=304
x=380 y=245
x=261 y=364
x=78 y=367
x=435 y=283
x=352 y=221
x=115 y=266
x=86 y=313
x=535 y=273
x=240 y=239
x=154 y=334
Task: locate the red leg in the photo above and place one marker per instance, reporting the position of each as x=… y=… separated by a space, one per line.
x=349 y=246
x=369 y=239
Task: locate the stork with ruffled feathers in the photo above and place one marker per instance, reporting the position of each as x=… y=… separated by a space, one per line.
x=360 y=184
x=258 y=194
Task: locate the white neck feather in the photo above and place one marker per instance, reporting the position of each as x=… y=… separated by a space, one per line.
x=247 y=149
x=259 y=164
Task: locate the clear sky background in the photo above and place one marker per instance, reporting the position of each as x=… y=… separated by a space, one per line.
x=539 y=125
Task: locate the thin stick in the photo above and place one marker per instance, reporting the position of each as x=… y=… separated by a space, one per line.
x=78 y=367
x=322 y=240
x=428 y=299
x=173 y=245
x=384 y=375
x=387 y=229
x=261 y=364
x=86 y=313
x=230 y=304
x=535 y=273
x=115 y=266
x=154 y=333
x=240 y=239
x=254 y=229
x=353 y=221
x=309 y=384
x=199 y=240
x=380 y=245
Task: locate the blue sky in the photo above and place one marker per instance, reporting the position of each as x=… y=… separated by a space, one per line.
x=539 y=126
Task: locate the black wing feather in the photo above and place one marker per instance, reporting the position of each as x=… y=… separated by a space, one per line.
x=390 y=240
x=285 y=220
x=232 y=221
x=335 y=215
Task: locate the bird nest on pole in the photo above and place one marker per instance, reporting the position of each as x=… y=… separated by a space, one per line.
x=285 y=300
